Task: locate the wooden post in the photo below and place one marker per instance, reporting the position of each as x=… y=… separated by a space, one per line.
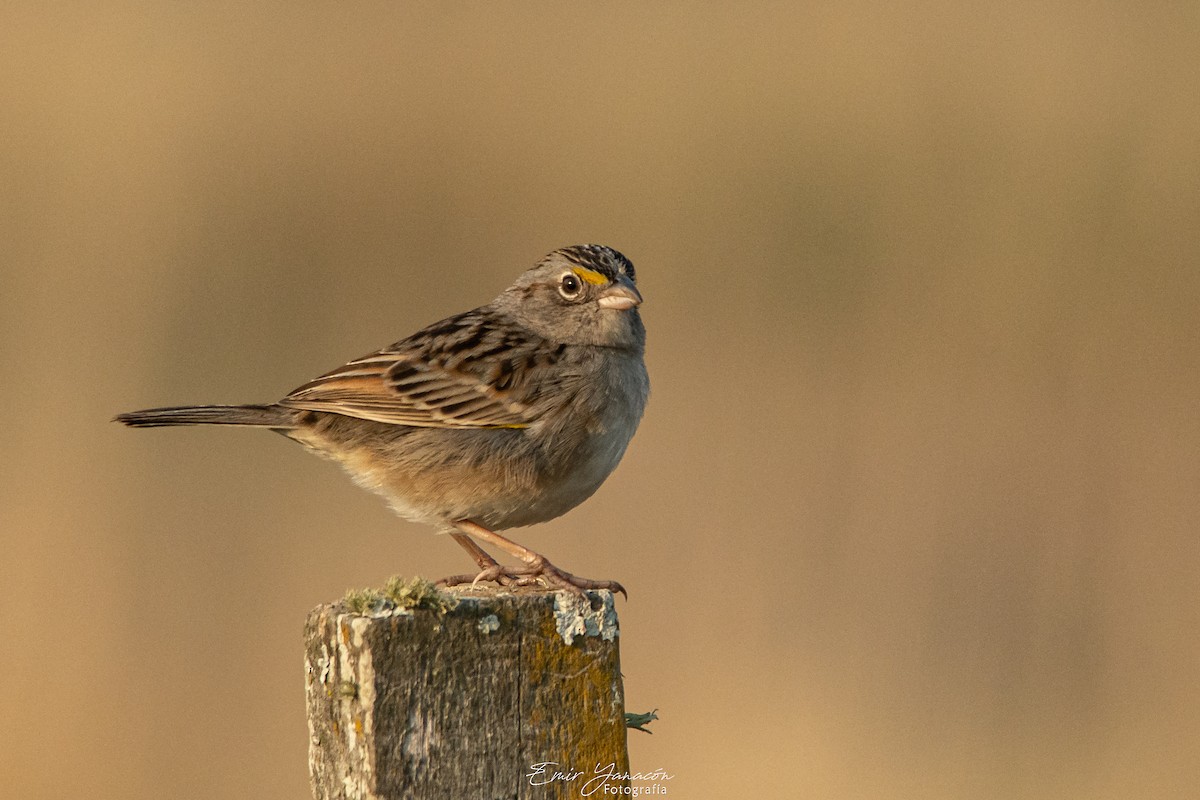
x=476 y=693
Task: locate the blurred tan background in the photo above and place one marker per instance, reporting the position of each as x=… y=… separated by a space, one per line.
x=913 y=510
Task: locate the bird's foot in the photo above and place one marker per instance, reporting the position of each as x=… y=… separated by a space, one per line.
x=500 y=575
x=537 y=571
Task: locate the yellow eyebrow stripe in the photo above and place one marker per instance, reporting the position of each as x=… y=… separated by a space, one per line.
x=590 y=275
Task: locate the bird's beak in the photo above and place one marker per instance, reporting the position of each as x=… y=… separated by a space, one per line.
x=621 y=296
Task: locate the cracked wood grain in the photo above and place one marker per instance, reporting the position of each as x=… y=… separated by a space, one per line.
x=419 y=704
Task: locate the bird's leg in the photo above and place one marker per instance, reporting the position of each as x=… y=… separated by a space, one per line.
x=534 y=565
x=475 y=551
x=480 y=556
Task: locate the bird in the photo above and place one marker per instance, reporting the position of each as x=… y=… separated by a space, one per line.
x=507 y=415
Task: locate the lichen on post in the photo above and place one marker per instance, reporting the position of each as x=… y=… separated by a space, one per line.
x=415 y=692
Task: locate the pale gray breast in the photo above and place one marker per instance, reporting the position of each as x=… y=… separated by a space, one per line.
x=590 y=438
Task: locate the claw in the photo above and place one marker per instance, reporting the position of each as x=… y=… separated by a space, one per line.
x=489 y=574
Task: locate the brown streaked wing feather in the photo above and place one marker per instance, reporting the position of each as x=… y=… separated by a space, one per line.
x=463 y=372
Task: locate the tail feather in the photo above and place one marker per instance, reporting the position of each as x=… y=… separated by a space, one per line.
x=255 y=416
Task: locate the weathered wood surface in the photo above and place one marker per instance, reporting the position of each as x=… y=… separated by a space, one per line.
x=468 y=703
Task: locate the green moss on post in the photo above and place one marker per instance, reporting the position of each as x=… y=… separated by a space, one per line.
x=472 y=693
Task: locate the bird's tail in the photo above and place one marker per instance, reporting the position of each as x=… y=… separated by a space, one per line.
x=254 y=416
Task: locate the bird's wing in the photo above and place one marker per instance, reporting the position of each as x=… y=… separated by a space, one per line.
x=464 y=372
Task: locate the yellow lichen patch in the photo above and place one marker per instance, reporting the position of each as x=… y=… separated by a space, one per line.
x=587 y=670
x=590 y=276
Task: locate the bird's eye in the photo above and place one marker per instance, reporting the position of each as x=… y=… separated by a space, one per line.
x=570 y=286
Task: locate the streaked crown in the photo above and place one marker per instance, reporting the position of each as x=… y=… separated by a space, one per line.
x=594 y=257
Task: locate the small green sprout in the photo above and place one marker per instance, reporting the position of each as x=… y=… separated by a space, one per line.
x=636 y=721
